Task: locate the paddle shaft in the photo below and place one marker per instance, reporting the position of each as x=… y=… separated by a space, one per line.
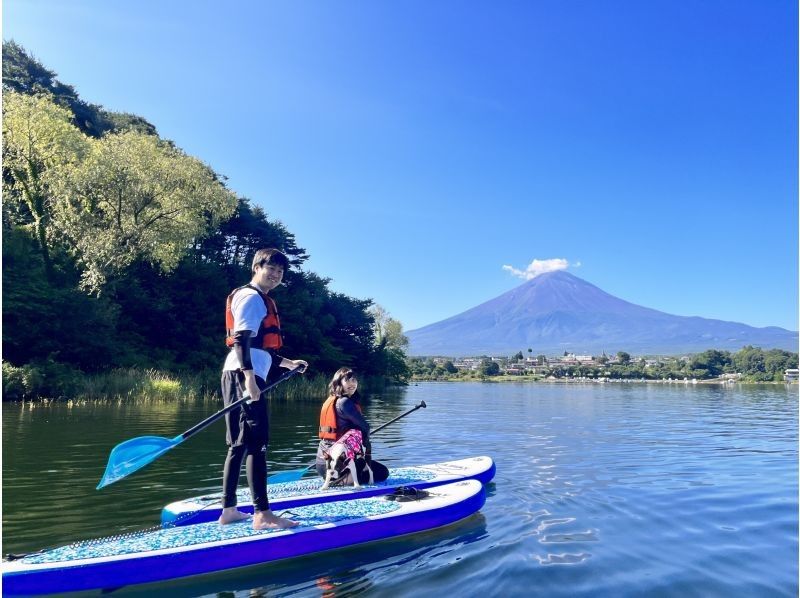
x=391 y=421
x=212 y=418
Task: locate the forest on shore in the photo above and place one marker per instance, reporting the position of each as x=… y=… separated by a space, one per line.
x=119 y=250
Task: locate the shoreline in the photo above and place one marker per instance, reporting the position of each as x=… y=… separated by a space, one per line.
x=531 y=379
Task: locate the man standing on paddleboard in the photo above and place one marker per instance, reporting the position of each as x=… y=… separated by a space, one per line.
x=254 y=336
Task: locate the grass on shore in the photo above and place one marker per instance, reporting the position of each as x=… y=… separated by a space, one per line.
x=51 y=381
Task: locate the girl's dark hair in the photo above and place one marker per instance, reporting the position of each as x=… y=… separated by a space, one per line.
x=269 y=256
x=336 y=387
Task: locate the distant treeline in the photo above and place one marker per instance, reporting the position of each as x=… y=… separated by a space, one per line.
x=119 y=249
x=753 y=363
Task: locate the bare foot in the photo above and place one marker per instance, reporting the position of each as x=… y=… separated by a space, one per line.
x=232 y=515
x=268 y=520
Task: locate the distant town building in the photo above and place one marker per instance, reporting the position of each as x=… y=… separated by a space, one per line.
x=791 y=375
x=468 y=363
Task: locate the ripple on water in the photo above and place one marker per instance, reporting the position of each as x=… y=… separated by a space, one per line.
x=562 y=558
x=589 y=535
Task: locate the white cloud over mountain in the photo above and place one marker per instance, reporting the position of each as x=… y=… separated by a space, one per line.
x=537 y=267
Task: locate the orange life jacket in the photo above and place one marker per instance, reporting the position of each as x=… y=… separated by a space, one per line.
x=327 y=419
x=269 y=331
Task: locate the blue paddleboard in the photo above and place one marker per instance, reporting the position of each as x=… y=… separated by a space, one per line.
x=176 y=552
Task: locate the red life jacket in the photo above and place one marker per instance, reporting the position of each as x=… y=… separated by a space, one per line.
x=269 y=331
x=327 y=419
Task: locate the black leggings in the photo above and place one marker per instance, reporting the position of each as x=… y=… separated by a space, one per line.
x=379 y=472
x=247 y=437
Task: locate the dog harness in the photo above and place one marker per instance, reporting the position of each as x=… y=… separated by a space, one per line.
x=352 y=443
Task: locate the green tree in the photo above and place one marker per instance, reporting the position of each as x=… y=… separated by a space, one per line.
x=708 y=364
x=623 y=357
x=749 y=361
x=233 y=244
x=390 y=344
x=776 y=362
x=518 y=356
x=350 y=333
x=44 y=320
x=388 y=331
x=132 y=198
x=489 y=368
x=40 y=144
x=449 y=367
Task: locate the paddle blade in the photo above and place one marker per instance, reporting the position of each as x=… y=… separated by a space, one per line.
x=287 y=476
x=134 y=454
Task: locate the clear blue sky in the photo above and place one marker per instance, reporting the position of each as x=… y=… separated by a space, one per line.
x=415 y=148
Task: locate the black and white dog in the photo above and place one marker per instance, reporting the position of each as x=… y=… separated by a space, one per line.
x=341 y=458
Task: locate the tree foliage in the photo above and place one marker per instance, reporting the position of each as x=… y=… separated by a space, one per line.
x=47 y=319
x=133 y=198
x=111 y=201
x=388 y=331
x=40 y=145
x=390 y=344
x=489 y=368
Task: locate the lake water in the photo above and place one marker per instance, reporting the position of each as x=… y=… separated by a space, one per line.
x=601 y=490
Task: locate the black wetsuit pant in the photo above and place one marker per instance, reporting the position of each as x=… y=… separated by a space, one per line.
x=247 y=438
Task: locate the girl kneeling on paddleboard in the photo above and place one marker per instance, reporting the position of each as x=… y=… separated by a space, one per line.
x=342 y=412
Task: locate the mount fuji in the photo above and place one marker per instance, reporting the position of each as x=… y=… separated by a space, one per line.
x=558 y=312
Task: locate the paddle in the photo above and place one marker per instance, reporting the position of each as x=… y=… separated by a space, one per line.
x=295 y=474
x=135 y=453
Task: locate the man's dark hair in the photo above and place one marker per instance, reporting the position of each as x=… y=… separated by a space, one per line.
x=269 y=256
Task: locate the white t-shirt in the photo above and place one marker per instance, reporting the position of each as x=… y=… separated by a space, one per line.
x=248 y=312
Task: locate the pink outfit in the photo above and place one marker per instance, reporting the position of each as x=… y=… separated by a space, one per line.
x=352 y=442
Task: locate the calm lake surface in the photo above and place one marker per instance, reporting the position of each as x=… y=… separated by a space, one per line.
x=601 y=490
